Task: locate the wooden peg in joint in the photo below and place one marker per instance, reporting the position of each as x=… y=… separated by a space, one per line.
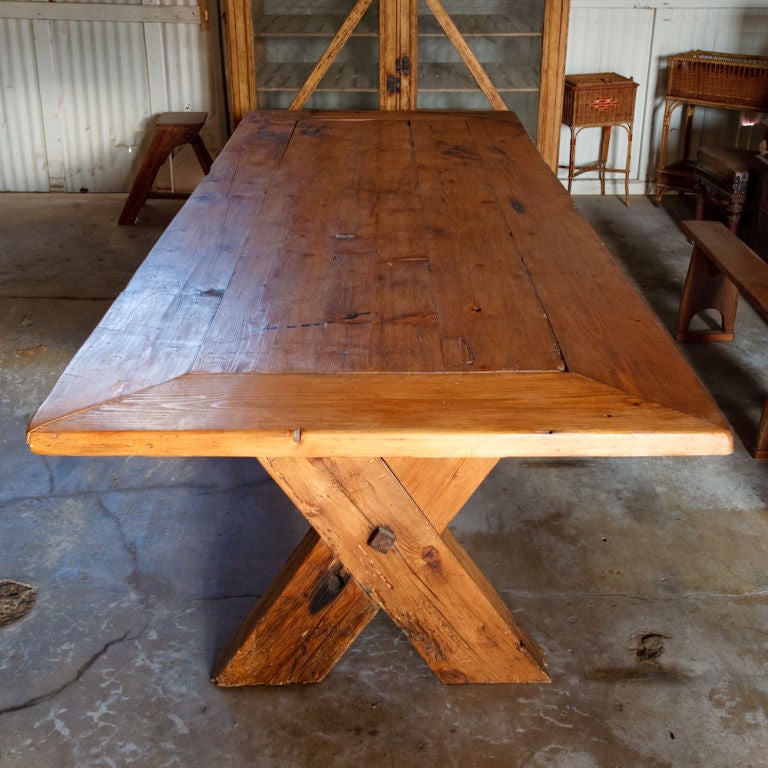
x=381 y=539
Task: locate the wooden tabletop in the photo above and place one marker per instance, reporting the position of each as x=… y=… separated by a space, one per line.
x=379 y=284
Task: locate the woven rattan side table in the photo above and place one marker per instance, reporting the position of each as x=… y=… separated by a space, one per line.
x=708 y=79
x=601 y=100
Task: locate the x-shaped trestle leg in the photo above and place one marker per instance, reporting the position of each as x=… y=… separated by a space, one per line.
x=379 y=540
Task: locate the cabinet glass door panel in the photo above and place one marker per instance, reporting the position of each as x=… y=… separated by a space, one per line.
x=504 y=37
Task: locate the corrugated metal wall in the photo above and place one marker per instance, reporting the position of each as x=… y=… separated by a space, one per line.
x=635 y=38
x=77 y=94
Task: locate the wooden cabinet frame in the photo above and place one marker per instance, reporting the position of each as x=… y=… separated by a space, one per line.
x=240 y=67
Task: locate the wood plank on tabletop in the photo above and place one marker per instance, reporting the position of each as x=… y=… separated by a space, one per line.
x=337 y=281
x=152 y=332
x=605 y=329
x=486 y=300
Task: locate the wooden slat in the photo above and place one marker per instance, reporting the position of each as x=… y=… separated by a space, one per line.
x=307 y=25
x=467 y=56
x=485 y=25
x=331 y=52
x=459 y=415
x=450 y=78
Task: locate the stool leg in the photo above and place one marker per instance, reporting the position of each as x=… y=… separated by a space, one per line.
x=605 y=141
x=761 y=448
x=163 y=143
x=572 y=160
x=203 y=157
x=629 y=165
x=706 y=287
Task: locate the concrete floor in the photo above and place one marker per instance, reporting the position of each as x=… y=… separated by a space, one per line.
x=646 y=581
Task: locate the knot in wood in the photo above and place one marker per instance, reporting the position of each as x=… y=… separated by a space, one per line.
x=431 y=557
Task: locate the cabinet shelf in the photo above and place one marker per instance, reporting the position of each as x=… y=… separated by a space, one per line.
x=437 y=78
x=316 y=25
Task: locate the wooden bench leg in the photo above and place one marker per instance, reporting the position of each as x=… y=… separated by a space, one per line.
x=163 y=143
x=706 y=287
x=173 y=129
x=203 y=156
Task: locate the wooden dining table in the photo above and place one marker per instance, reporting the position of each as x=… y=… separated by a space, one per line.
x=378 y=306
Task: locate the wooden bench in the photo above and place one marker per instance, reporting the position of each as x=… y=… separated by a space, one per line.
x=172 y=129
x=722 y=267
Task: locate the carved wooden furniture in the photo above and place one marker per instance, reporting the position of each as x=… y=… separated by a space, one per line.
x=722 y=176
x=172 y=129
x=378 y=338
x=710 y=79
x=721 y=268
x=602 y=100
x=502 y=54
x=756 y=234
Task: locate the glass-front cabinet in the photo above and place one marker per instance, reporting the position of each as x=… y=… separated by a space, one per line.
x=400 y=54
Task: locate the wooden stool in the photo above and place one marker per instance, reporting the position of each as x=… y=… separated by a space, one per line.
x=601 y=100
x=172 y=129
x=722 y=175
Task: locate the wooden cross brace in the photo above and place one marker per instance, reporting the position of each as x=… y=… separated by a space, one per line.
x=379 y=539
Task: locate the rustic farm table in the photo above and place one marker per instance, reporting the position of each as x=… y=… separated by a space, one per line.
x=378 y=306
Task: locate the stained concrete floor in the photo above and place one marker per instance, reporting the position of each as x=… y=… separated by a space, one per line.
x=646 y=580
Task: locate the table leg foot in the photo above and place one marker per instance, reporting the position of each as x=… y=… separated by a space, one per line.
x=314 y=598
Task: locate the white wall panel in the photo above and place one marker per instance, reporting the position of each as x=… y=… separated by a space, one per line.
x=104 y=98
x=22 y=144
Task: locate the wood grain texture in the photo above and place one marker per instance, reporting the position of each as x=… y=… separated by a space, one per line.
x=467 y=56
x=425 y=582
x=440 y=297
x=293 y=635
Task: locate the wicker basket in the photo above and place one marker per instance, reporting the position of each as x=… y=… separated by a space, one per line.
x=598 y=99
x=720 y=78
